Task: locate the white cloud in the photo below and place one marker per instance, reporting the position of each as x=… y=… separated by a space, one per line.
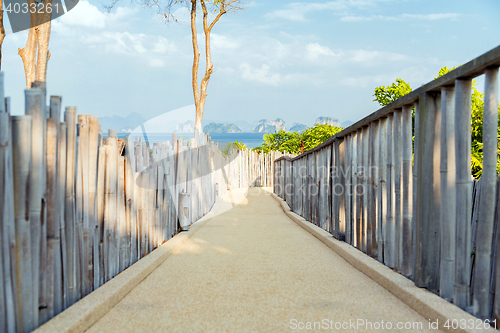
x=315 y=50
x=261 y=75
x=223 y=42
x=156 y=63
x=84 y=14
x=296 y=11
x=402 y=17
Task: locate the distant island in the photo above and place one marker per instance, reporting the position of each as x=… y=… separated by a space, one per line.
x=328 y=120
x=296 y=127
x=269 y=126
x=221 y=128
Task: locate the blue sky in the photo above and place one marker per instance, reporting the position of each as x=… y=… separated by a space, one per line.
x=292 y=60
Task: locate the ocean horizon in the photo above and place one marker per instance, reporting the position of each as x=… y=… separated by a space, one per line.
x=251 y=140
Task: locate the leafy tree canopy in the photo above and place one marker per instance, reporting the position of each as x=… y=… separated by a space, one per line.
x=387 y=95
x=295 y=142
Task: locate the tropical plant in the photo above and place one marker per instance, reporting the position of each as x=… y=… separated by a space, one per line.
x=292 y=142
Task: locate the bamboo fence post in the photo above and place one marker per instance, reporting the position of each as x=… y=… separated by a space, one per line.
x=79 y=212
x=6 y=293
x=463 y=191
x=145 y=199
x=354 y=206
x=85 y=235
x=26 y=297
x=488 y=196
x=130 y=201
x=414 y=201
x=448 y=194
x=382 y=203
x=8 y=237
x=347 y=189
x=406 y=262
x=110 y=205
x=427 y=227
x=389 y=239
x=69 y=209
x=101 y=226
x=93 y=236
x=61 y=184
x=53 y=269
x=375 y=177
x=398 y=159
x=122 y=221
x=364 y=197
x=336 y=184
x=35 y=107
x=55 y=204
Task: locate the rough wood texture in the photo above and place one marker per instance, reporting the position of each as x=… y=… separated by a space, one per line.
x=463 y=187
x=448 y=194
x=488 y=196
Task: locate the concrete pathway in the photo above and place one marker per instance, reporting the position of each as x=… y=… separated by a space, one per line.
x=252 y=269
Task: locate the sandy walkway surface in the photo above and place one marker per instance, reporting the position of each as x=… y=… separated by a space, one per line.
x=252 y=269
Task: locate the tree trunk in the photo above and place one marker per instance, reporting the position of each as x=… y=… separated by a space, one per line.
x=196 y=64
x=35 y=54
x=2 y=31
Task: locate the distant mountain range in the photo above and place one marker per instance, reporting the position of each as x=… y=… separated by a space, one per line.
x=269 y=126
x=221 y=128
x=135 y=120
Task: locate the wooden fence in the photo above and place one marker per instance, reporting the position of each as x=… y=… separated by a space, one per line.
x=415 y=216
x=77 y=209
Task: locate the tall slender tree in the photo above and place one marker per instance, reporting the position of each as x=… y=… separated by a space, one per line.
x=2 y=31
x=35 y=54
x=219 y=8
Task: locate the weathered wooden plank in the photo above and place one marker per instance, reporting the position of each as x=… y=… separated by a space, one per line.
x=35 y=107
x=397 y=162
x=427 y=223
x=448 y=194
x=382 y=204
x=26 y=300
x=406 y=261
x=390 y=239
x=488 y=197
x=69 y=209
x=463 y=191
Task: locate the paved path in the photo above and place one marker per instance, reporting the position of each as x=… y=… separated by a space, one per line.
x=252 y=269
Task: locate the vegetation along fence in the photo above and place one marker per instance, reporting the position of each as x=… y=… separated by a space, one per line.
x=77 y=209
x=427 y=219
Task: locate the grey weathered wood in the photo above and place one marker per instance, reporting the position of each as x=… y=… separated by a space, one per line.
x=415 y=177
x=69 y=209
x=463 y=191
x=354 y=177
x=35 y=107
x=348 y=189
x=406 y=261
x=488 y=196
x=374 y=185
x=427 y=224
x=100 y=270
x=110 y=209
x=61 y=183
x=365 y=237
x=448 y=194
x=8 y=239
x=382 y=205
x=26 y=300
x=397 y=162
x=93 y=237
x=390 y=238
x=53 y=270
